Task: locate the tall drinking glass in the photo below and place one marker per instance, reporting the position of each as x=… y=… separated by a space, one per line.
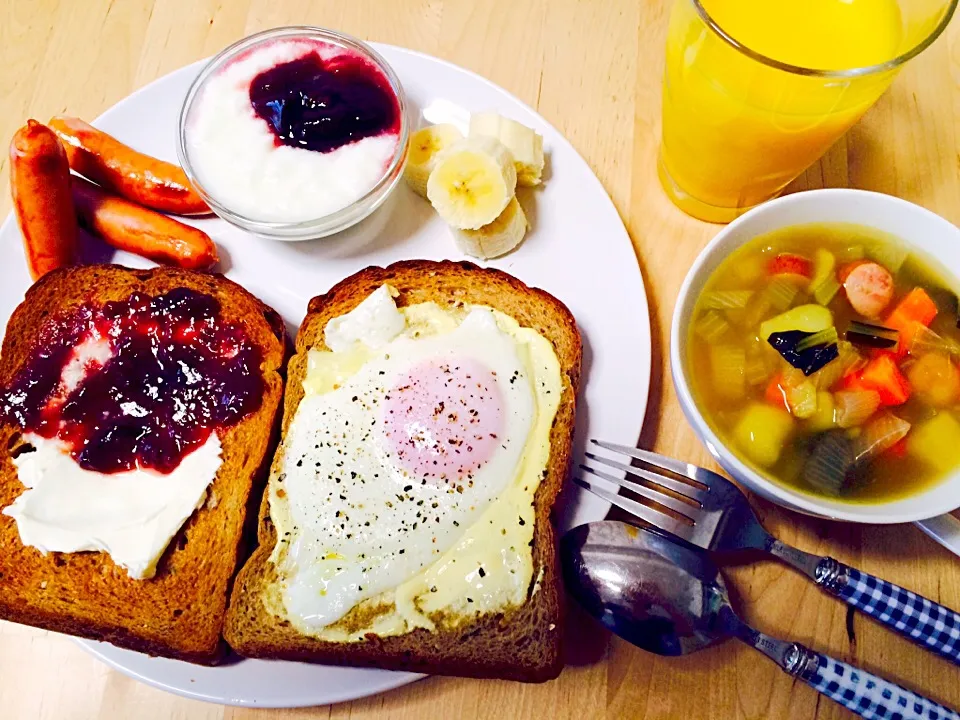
x=756 y=90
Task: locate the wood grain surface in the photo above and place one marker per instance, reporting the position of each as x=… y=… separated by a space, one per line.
x=593 y=69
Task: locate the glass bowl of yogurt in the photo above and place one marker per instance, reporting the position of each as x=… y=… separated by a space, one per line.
x=294 y=133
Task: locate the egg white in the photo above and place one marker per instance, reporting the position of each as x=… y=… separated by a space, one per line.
x=360 y=524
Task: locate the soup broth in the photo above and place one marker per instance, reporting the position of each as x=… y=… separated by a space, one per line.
x=826 y=357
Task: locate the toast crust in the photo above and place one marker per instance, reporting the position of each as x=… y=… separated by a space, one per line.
x=178 y=613
x=521 y=643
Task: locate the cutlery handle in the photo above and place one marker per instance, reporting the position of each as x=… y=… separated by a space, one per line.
x=861 y=692
x=927 y=623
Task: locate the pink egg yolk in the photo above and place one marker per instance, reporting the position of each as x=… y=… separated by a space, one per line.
x=444 y=419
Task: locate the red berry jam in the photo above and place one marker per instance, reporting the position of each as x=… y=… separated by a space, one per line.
x=323 y=105
x=138 y=383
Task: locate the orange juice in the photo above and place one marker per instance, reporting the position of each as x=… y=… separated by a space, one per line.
x=737 y=128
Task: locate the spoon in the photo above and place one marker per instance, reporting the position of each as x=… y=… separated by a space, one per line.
x=670 y=599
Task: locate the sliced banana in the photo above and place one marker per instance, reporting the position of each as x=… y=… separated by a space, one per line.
x=499 y=237
x=425 y=145
x=472 y=182
x=525 y=144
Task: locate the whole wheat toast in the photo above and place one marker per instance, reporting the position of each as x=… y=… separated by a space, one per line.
x=179 y=612
x=520 y=644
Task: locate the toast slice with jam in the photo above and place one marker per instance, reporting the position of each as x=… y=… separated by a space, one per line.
x=179 y=611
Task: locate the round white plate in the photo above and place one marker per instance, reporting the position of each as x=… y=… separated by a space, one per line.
x=578 y=250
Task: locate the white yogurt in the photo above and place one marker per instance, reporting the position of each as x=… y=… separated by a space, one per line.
x=235 y=157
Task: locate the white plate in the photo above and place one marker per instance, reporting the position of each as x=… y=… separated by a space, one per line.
x=578 y=250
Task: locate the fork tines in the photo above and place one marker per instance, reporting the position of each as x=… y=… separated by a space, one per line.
x=679 y=513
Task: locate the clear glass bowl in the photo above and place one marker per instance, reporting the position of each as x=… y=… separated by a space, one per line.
x=333 y=222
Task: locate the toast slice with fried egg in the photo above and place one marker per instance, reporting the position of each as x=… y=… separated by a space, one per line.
x=409 y=447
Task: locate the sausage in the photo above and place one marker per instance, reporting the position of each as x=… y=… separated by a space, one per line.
x=42 y=202
x=127 y=226
x=869 y=289
x=143 y=179
x=844 y=272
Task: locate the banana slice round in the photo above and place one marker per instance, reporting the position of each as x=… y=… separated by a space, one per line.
x=425 y=145
x=472 y=182
x=497 y=238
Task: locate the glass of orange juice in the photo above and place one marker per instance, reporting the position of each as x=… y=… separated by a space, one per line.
x=756 y=90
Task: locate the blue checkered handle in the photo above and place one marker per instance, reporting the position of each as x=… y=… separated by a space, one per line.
x=865 y=694
x=928 y=624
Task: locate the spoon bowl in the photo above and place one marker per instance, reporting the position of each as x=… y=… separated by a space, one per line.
x=643 y=586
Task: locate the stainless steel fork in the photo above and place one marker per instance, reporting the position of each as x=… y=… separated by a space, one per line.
x=709 y=511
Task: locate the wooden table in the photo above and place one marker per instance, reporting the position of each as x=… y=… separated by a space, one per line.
x=592 y=69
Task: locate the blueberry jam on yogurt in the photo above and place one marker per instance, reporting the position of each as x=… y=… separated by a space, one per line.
x=322 y=105
x=293 y=129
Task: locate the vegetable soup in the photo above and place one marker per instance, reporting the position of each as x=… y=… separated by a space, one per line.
x=826 y=356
